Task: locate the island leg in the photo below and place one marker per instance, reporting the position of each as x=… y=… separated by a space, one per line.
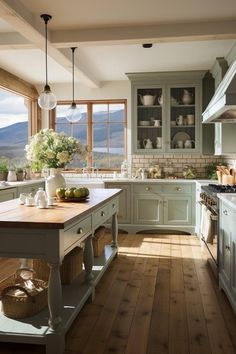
x=55 y=297
x=88 y=258
x=114 y=230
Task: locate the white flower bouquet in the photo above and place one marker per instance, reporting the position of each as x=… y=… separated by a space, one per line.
x=53 y=150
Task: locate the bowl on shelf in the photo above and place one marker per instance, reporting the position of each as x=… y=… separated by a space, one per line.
x=144 y=123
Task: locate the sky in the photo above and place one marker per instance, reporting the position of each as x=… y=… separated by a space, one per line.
x=12 y=109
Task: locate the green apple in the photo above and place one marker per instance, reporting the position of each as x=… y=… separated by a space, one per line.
x=86 y=191
x=69 y=193
x=77 y=193
x=60 y=192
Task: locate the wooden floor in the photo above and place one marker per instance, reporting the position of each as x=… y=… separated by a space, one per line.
x=158 y=297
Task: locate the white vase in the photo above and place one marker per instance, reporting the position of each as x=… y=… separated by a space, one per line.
x=54 y=181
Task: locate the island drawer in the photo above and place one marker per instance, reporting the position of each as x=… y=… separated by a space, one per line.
x=147 y=188
x=101 y=215
x=178 y=188
x=77 y=232
x=113 y=207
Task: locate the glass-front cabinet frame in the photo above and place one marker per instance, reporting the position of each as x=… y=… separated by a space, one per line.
x=166 y=112
x=183 y=118
x=149 y=112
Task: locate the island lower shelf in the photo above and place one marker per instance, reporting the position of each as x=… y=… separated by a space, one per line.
x=35 y=329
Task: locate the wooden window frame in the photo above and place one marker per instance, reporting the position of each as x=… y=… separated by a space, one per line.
x=14 y=84
x=90 y=103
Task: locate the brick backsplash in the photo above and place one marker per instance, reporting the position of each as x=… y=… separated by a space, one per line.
x=178 y=161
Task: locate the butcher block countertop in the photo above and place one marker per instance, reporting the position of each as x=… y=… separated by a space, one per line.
x=56 y=217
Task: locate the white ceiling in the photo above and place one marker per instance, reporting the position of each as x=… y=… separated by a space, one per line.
x=186 y=35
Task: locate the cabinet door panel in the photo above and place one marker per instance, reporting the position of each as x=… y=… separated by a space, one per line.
x=124 y=213
x=7 y=194
x=147 y=210
x=225 y=244
x=177 y=210
x=233 y=266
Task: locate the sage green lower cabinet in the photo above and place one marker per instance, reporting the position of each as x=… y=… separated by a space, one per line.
x=30 y=188
x=147 y=209
x=7 y=194
x=227 y=252
x=124 y=213
x=177 y=210
x=156 y=205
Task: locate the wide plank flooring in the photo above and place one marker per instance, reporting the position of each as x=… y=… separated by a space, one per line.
x=159 y=296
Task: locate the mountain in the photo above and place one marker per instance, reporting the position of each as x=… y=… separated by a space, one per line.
x=13 y=138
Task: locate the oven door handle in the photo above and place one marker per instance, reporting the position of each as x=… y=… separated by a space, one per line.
x=214 y=217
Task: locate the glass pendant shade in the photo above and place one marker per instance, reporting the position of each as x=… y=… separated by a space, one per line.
x=74 y=113
x=47 y=100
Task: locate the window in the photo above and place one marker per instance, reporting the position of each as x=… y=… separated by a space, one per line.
x=102 y=128
x=14 y=112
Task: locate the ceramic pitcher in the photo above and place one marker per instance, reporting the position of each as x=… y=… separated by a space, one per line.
x=147 y=143
x=187 y=97
x=147 y=100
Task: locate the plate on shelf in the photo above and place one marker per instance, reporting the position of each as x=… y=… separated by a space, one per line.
x=73 y=200
x=180 y=136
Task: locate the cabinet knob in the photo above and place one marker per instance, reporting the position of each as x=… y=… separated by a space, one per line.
x=113 y=205
x=227 y=247
x=147 y=188
x=178 y=189
x=225 y=212
x=80 y=230
x=103 y=213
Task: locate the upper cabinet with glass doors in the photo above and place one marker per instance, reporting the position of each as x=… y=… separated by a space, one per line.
x=149 y=130
x=166 y=112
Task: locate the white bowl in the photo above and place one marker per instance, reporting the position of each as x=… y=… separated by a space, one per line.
x=144 y=123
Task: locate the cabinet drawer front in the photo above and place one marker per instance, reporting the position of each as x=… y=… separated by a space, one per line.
x=177 y=188
x=113 y=207
x=77 y=232
x=101 y=215
x=147 y=188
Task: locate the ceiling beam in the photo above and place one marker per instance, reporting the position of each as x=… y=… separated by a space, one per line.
x=138 y=34
x=14 y=40
x=24 y=22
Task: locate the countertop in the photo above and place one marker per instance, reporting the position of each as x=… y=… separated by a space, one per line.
x=23 y=183
x=229 y=199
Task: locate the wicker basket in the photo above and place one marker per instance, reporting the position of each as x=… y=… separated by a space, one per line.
x=71 y=267
x=20 y=300
x=99 y=241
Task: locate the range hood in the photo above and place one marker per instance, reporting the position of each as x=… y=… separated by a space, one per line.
x=222 y=107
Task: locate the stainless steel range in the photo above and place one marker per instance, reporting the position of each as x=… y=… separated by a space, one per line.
x=209 y=220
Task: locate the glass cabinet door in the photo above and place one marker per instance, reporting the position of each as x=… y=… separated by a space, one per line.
x=149 y=135
x=183 y=114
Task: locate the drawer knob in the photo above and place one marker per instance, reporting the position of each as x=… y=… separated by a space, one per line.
x=80 y=230
x=103 y=213
x=225 y=212
x=178 y=189
x=147 y=188
x=113 y=205
x=227 y=247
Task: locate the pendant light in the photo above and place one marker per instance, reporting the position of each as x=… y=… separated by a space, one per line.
x=47 y=100
x=73 y=114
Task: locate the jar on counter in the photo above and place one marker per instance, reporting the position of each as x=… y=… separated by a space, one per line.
x=124 y=169
x=11 y=177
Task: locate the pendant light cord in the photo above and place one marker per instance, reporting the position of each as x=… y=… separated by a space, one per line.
x=73 y=74
x=46 y=18
x=46 y=50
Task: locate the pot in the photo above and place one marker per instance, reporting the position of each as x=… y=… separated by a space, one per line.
x=147 y=100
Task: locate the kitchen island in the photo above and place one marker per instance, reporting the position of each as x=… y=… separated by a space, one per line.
x=29 y=232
